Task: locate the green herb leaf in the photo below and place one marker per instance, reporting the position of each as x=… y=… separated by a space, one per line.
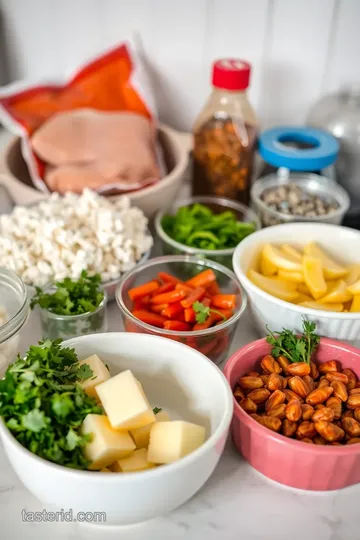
x=202 y=311
x=156 y=410
x=34 y=420
x=84 y=372
x=294 y=348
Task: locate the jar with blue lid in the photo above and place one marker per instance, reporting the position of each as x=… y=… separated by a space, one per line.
x=299 y=182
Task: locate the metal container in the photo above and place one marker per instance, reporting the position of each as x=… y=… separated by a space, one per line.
x=339 y=113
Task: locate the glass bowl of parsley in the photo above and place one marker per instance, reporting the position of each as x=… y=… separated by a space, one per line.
x=206 y=227
x=71 y=308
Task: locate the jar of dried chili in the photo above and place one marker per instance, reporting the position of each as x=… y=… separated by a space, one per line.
x=225 y=135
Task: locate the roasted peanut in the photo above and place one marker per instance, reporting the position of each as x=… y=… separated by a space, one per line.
x=353 y=402
x=319 y=406
x=275 y=382
x=325 y=413
x=284 y=362
x=260 y=395
x=252 y=374
x=289 y=428
x=277 y=410
x=250 y=383
x=298 y=368
x=248 y=405
x=293 y=410
x=337 y=376
x=347 y=414
x=307 y=440
x=323 y=382
x=319 y=395
x=319 y=440
x=309 y=381
x=238 y=394
x=325 y=367
x=336 y=404
x=340 y=390
x=291 y=395
x=270 y=365
x=264 y=379
x=357 y=385
x=276 y=398
x=354 y=391
x=335 y=443
x=328 y=431
x=271 y=422
x=351 y=426
x=255 y=416
x=314 y=372
x=298 y=386
x=307 y=411
x=352 y=378
x=353 y=441
x=306 y=430
x=357 y=414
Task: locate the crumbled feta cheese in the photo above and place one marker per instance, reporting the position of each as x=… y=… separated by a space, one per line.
x=62 y=236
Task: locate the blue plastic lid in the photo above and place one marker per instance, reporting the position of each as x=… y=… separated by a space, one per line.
x=323 y=152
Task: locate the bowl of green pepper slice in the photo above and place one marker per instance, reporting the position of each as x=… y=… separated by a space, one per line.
x=206 y=227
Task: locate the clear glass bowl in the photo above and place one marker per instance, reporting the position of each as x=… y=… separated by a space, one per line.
x=213 y=342
x=217 y=205
x=67 y=326
x=14 y=313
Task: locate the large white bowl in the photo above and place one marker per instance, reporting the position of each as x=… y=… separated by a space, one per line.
x=175 y=377
x=341 y=242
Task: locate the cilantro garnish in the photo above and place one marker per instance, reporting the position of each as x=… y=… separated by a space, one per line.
x=71 y=297
x=203 y=312
x=43 y=405
x=156 y=410
x=294 y=348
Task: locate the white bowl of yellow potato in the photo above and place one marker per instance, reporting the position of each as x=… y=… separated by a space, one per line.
x=298 y=270
x=146 y=372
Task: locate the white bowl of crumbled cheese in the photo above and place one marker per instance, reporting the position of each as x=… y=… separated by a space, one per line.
x=63 y=235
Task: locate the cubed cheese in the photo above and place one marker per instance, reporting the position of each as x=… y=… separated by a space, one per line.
x=170 y=441
x=100 y=374
x=107 y=444
x=141 y=435
x=137 y=461
x=124 y=402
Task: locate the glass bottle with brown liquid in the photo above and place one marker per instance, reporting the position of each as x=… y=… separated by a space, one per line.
x=225 y=135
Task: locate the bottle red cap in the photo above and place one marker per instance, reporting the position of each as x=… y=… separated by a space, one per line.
x=231 y=74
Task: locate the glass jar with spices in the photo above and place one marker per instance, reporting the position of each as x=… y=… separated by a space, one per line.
x=225 y=135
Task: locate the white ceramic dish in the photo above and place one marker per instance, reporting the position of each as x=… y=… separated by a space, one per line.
x=173 y=377
x=341 y=242
x=175 y=146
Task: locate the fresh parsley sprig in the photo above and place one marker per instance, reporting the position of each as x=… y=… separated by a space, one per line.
x=294 y=348
x=71 y=297
x=202 y=312
x=43 y=405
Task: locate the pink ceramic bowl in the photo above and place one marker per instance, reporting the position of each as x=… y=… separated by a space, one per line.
x=290 y=462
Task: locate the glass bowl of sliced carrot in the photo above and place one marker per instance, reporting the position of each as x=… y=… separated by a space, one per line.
x=194 y=301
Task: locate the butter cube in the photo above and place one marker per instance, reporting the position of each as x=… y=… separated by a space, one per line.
x=100 y=374
x=124 y=402
x=170 y=441
x=141 y=435
x=107 y=444
x=138 y=461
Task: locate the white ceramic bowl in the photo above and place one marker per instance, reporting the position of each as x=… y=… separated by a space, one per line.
x=341 y=242
x=175 y=377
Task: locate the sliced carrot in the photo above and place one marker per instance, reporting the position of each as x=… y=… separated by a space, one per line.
x=212 y=318
x=203 y=279
x=224 y=301
x=206 y=302
x=158 y=308
x=168 y=298
x=223 y=314
x=143 y=290
x=167 y=278
x=177 y=326
x=166 y=287
x=193 y=296
x=149 y=318
x=213 y=288
x=189 y=314
x=172 y=310
x=182 y=287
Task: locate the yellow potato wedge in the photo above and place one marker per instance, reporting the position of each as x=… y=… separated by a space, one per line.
x=353 y=274
x=290 y=251
x=355 y=304
x=355 y=288
x=325 y=307
x=303 y=298
x=295 y=277
x=332 y=270
x=267 y=268
x=284 y=290
x=302 y=288
x=277 y=258
x=337 y=293
x=314 y=277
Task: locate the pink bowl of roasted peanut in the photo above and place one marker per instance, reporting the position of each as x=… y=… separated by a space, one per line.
x=297 y=410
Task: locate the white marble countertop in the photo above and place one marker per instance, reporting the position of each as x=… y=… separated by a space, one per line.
x=236 y=503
